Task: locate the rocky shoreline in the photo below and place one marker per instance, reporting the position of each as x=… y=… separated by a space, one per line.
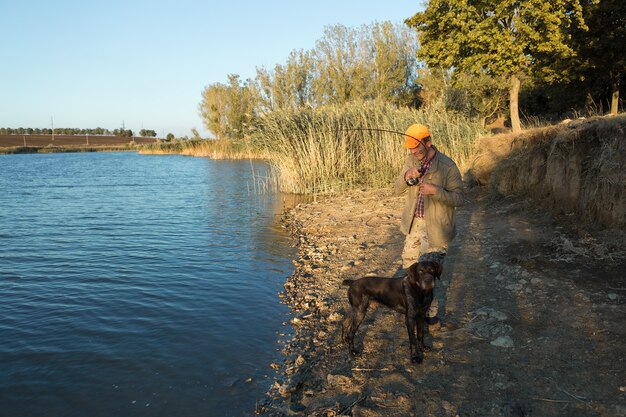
x=524 y=329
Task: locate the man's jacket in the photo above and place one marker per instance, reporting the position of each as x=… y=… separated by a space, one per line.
x=439 y=212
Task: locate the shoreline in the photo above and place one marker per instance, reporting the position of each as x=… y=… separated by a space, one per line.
x=22 y=150
x=514 y=290
x=328 y=251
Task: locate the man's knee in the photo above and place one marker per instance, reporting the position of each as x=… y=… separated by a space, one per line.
x=435 y=256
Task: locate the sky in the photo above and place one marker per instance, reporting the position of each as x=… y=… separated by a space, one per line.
x=143 y=64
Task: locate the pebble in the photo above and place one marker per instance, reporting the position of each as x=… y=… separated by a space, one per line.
x=514 y=287
x=337 y=381
x=503 y=341
x=612 y=296
x=498 y=315
x=335 y=317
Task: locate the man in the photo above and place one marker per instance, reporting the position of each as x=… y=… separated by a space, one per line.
x=435 y=188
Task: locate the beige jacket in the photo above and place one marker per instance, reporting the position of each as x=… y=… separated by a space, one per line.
x=439 y=209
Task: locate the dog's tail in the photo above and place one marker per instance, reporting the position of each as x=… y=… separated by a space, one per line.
x=347 y=282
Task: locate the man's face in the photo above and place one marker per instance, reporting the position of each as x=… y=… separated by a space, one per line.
x=421 y=151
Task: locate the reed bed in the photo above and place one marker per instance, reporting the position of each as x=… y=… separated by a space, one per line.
x=209 y=148
x=337 y=148
x=162 y=148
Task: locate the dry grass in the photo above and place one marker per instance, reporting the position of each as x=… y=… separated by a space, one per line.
x=214 y=149
x=334 y=148
x=337 y=148
x=570 y=250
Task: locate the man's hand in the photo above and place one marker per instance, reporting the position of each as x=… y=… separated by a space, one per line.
x=428 y=189
x=411 y=173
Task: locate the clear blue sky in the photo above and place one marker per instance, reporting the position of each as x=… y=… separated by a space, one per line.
x=88 y=64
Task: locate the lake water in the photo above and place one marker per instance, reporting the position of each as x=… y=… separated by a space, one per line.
x=136 y=285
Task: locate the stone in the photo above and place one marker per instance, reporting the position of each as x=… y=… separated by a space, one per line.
x=300 y=360
x=498 y=315
x=337 y=381
x=503 y=341
x=335 y=317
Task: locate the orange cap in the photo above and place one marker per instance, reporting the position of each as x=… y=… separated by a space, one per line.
x=414 y=135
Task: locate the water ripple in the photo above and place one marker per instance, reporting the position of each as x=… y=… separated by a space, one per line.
x=133 y=285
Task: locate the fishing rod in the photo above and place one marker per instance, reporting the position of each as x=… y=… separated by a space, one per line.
x=387 y=131
x=410 y=181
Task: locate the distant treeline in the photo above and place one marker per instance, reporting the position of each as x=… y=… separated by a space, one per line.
x=127 y=133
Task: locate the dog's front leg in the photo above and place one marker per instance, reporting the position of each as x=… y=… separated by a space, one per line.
x=410 y=327
x=419 y=321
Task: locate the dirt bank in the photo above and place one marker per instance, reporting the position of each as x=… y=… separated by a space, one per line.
x=575 y=167
x=534 y=308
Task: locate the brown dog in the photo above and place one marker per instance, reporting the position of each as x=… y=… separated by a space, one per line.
x=410 y=295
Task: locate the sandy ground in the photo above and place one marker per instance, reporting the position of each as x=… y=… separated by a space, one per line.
x=533 y=321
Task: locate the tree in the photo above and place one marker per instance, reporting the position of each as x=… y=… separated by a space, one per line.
x=126 y=133
x=392 y=61
x=240 y=106
x=287 y=86
x=375 y=62
x=476 y=96
x=170 y=137
x=603 y=49
x=340 y=74
x=497 y=37
x=227 y=109
x=213 y=109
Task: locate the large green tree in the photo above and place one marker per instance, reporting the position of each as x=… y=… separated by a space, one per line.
x=501 y=38
x=603 y=49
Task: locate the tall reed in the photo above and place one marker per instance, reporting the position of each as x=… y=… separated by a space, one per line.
x=328 y=149
x=211 y=148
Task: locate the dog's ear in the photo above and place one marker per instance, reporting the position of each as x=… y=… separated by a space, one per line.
x=412 y=271
x=438 y=269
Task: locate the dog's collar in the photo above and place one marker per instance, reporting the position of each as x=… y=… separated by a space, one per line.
x=406 y=279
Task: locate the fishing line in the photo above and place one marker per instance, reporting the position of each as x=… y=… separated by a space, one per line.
x=387 y=131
